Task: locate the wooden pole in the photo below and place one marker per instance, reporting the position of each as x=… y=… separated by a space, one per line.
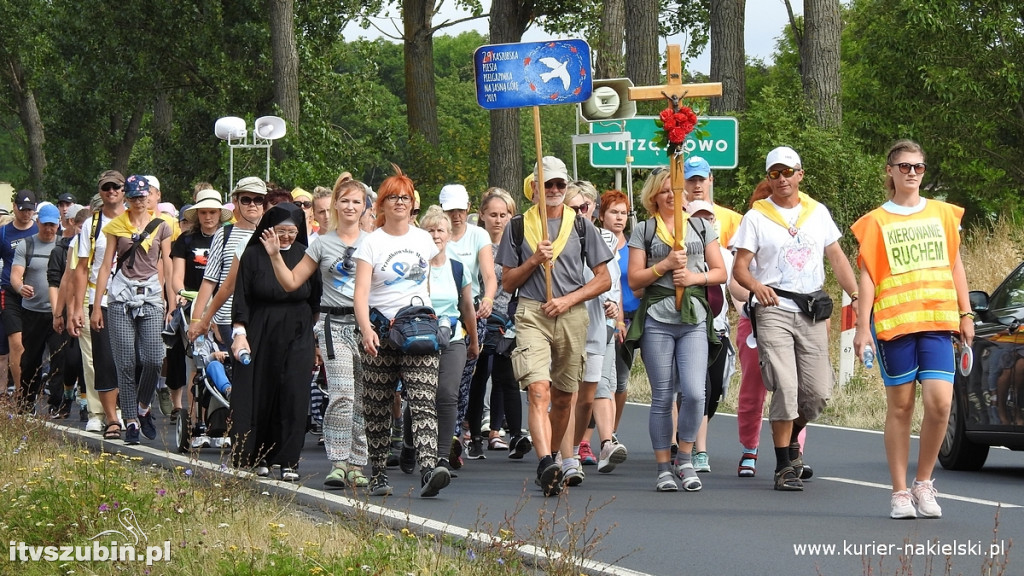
x=539 y=197
x=677 y=174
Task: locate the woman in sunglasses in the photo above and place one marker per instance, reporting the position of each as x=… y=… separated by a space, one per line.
x=392 y=267
x=331 y=254
x=916 y=296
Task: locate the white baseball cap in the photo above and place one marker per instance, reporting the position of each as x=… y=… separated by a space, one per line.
x=782 y=155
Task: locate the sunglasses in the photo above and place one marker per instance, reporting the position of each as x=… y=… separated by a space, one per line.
x=347 y=263
x=786 y=173
x=582 y=208
x=905 y=167
x=306 y=204
x=247 y=200
x=553 y=184
x=110 y=186
x=415 y=211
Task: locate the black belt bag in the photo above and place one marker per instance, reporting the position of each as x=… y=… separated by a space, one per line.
x=816 y=305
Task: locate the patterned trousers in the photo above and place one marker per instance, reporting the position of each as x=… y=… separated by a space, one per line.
x=136 y=340
x=344 y=426
x=418 y=374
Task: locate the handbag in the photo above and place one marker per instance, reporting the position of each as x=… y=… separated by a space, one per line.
x=495 y=341
x=415 y=330
x=816 y=305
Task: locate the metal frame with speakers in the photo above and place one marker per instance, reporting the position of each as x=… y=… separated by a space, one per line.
x=234 y=131
x=609 y=104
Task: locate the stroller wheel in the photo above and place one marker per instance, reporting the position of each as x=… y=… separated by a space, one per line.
x=183 y=431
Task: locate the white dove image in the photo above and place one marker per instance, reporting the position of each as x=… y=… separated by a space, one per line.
x=557 y=71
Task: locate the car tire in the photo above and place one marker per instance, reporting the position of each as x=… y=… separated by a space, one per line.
x=957 y=451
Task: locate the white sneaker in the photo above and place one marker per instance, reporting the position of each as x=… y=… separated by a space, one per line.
x=924 y=497
x=612 y=454
x=202 y=441
x=95 y=424
x=902 y=505
x=222 y=442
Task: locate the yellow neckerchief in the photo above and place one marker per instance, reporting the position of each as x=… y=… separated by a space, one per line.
x=532 y=230
x=769 y=210
x=122 y=226
x=664 y=234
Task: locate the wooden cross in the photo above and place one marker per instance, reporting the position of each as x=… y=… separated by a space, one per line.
x=674 y=91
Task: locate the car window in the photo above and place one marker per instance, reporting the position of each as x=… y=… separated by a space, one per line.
x=1011 y=293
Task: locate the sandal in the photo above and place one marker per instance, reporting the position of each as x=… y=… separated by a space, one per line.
x=786 y=480
x=497 y=443
x=356 y=478
x=112 y=431
x=748 y=465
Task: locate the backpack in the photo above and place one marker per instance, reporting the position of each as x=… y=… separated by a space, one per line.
x=415 y=330
x=714 y=294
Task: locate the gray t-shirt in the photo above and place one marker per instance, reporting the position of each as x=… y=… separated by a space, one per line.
x=567 y=274
x=665 y=311
x=35 y=272
x=337 y=268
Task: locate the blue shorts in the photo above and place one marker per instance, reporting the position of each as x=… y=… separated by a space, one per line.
x=921 y=356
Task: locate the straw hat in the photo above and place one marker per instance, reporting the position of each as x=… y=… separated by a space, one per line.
x=207 y=199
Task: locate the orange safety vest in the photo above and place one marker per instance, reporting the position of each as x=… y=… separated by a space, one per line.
x=910 y=260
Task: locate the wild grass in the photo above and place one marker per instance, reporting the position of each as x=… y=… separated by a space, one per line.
x=989 y=252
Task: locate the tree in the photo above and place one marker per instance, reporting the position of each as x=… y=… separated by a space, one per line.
x=19 y=43
x=728 y=57
x=505 y=160
x=610 y=62
x=819 y=58
x=643 y=62
x=285 y=56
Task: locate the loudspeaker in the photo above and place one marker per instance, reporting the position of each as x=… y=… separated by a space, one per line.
x=269 y=127
x=230 y=128
x=609 y=101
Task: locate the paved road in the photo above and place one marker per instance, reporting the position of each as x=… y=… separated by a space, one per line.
x=733 y=526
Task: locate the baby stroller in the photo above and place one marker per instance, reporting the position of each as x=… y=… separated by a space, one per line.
x=210 y=399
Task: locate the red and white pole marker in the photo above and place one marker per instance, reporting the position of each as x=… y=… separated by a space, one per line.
x=847 y=327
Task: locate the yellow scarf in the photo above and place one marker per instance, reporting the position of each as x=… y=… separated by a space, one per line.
x=122 y=226
x=807 y=204
x=666 y=235
x=532 y=230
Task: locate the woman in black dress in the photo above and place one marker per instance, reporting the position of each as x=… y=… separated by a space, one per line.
x=270 y=396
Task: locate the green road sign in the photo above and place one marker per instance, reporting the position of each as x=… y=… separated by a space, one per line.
x=719 y=148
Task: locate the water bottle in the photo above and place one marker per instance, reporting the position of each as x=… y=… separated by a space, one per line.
x=244 y=357
x=868 y=357
x=200 y=339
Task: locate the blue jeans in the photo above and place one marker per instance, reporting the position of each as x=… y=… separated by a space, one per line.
x=675 y=355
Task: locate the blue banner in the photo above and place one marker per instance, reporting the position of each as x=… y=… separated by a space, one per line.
x=532 y=74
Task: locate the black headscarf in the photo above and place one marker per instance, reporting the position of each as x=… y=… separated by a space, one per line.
x=276 y=215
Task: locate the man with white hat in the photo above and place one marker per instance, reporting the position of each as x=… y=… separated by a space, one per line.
x=786 y=237
x=551 y=334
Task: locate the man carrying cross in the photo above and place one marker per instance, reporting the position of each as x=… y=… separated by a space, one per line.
x=551 y=333
x=785 y=237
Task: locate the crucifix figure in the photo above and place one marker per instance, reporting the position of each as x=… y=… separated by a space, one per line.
x=674 y=91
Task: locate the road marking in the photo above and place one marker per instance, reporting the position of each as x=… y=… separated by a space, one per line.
x=981 y=501
x=413 y=522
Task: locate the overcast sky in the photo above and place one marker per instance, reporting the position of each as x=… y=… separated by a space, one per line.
x=765 y=20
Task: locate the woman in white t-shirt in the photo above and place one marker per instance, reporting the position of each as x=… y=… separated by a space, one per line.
x=392 y=267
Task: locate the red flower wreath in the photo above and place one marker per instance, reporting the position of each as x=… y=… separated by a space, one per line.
x=675 y=126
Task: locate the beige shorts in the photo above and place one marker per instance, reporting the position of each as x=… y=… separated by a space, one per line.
x=793 y=352
x=549 y=349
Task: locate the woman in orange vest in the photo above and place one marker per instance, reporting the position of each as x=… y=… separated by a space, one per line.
x=910 y=262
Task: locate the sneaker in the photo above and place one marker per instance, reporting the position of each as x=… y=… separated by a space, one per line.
x=393 y=461
x=336 y=478
x=924 y=498
x=518 y=447
x=407 y=459
x=550 y=479
x=83 y=415
x=612 y=454
x=451 y=470
x=455 y=453
x=148 y=424
x=289 y=475
x=131 y=434
x=748 y=465
x=902 y=505
x=164 y=397
x=475 y=450
x=666 y=482
x=573 y=475
x=701 y=462
x=806 y=472
x=379 y=482
x=587 y=457
x=201 y=441
x=223 y=442
x=263 y=470
x=434 y=480
x=95 y=424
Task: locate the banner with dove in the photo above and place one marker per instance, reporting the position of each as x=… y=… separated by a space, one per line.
x=532 y=74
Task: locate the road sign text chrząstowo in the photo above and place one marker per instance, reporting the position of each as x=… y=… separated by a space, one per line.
x=532 y=74
x=719 y=148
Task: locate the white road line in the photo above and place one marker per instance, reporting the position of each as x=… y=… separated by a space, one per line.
x=888 y=487
x=525 y=549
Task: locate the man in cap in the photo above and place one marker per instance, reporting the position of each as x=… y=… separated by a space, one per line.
x=249 y=197
x=28 y=280
x=700 y=185
x=12 y=234
x=551 y=334
x=786 y=236
x=97 y=357
x=64 y=201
